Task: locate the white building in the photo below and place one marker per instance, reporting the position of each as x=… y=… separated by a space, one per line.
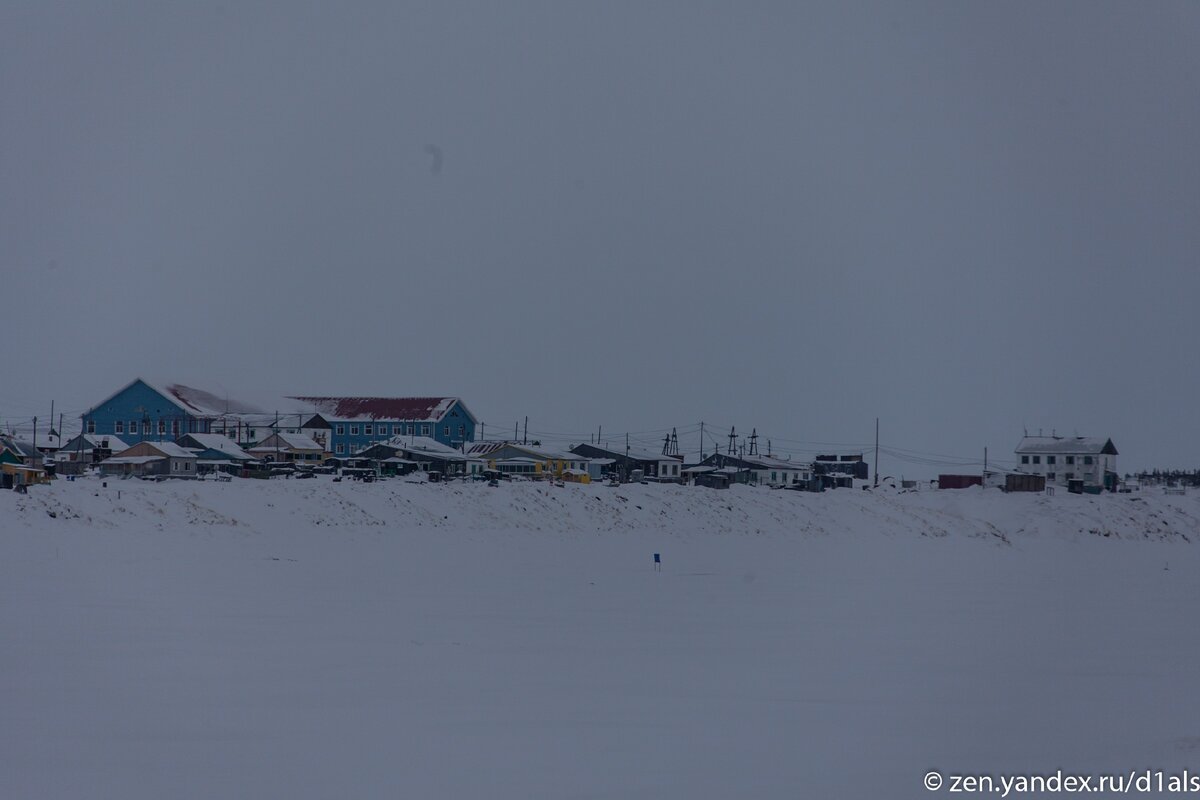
x=1064 y=458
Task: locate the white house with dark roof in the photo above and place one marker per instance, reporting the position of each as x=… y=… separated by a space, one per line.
x=1063 y=458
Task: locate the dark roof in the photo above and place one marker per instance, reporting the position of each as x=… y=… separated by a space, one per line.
x=406 y=408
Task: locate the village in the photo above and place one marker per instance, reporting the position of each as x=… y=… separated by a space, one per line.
x=176 y=432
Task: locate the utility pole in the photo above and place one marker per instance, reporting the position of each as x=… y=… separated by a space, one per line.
x=732 y=438
x=877 y=452
x=525 y=437
x=701 y=440
x=985 y=467
x=754 y=441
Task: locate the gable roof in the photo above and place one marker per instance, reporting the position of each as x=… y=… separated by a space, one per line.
x=167 y=396
x=167 y=449
x=190 y=400
x=293 y=441
x=20 y=447
x=419 y=409
x=207 y=403
x=91 y=441
x=1066 y=444
x=484 y=449
x=421 y=444
x=634 y=453
x=215 y=441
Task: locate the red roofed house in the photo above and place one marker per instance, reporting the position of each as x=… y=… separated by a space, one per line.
x=356 y=423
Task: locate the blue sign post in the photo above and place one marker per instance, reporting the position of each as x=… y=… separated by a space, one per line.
x=657 y=563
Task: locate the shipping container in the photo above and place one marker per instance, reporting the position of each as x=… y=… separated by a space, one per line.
x=1024 y=483
x=959 y=481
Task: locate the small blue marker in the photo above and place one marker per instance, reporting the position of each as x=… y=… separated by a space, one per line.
x=657 y=563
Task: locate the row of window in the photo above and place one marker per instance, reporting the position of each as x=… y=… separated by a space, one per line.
x=1051 y=459
x=397 y=430
x=797 y=476
x=147 y=427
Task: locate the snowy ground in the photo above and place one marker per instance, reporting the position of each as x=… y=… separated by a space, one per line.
x=305 y=639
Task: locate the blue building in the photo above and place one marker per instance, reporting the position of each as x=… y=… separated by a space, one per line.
x=142 y=411
x=356 y=423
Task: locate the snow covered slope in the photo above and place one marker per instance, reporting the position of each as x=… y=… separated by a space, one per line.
x=306 y=639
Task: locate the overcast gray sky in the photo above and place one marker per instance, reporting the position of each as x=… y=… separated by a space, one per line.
x=963 y=218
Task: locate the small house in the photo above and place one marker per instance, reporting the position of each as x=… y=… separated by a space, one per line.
x=627 y=460
x=288 y=447
x=145 y=459
x=89 y=448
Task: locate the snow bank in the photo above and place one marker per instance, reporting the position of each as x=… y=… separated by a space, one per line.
x=310 y=639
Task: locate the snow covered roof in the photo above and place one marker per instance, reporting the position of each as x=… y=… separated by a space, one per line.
x=421 y=409
x=168 y=449
x=132 y=459
x=215 y=441
x=423 y=444
x=91 y=441
x=486 y=448
x=291 y=441
x=20 y=447
x=1087 y=445
x=207 y=403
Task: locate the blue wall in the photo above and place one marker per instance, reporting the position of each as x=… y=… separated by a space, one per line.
x=140 y=404
x=447 y=431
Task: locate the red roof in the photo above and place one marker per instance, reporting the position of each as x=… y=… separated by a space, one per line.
x=406 y=408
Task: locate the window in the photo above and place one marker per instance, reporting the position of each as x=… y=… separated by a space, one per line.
x=133 y=426
x=1024 y=459
x=145 y=427
x=1070 y=459
x=446 y=431
x=339 y=449
x=397 y=430
x=1037 y=459
x=1087 y=459
x=462 y=431
x=174 y=427
x=340 y=430
x=354 y=430
x=367 y=429
x=410 y=429
x=1049 y=476
x=91 y=428
x=1070 y=476
x=425 y=429
x=774 y=477
x=120 y=426
x=1049 y=459
x=162 y=427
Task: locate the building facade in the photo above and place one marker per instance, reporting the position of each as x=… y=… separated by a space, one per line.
x=1060 y=459
x=356 y=423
